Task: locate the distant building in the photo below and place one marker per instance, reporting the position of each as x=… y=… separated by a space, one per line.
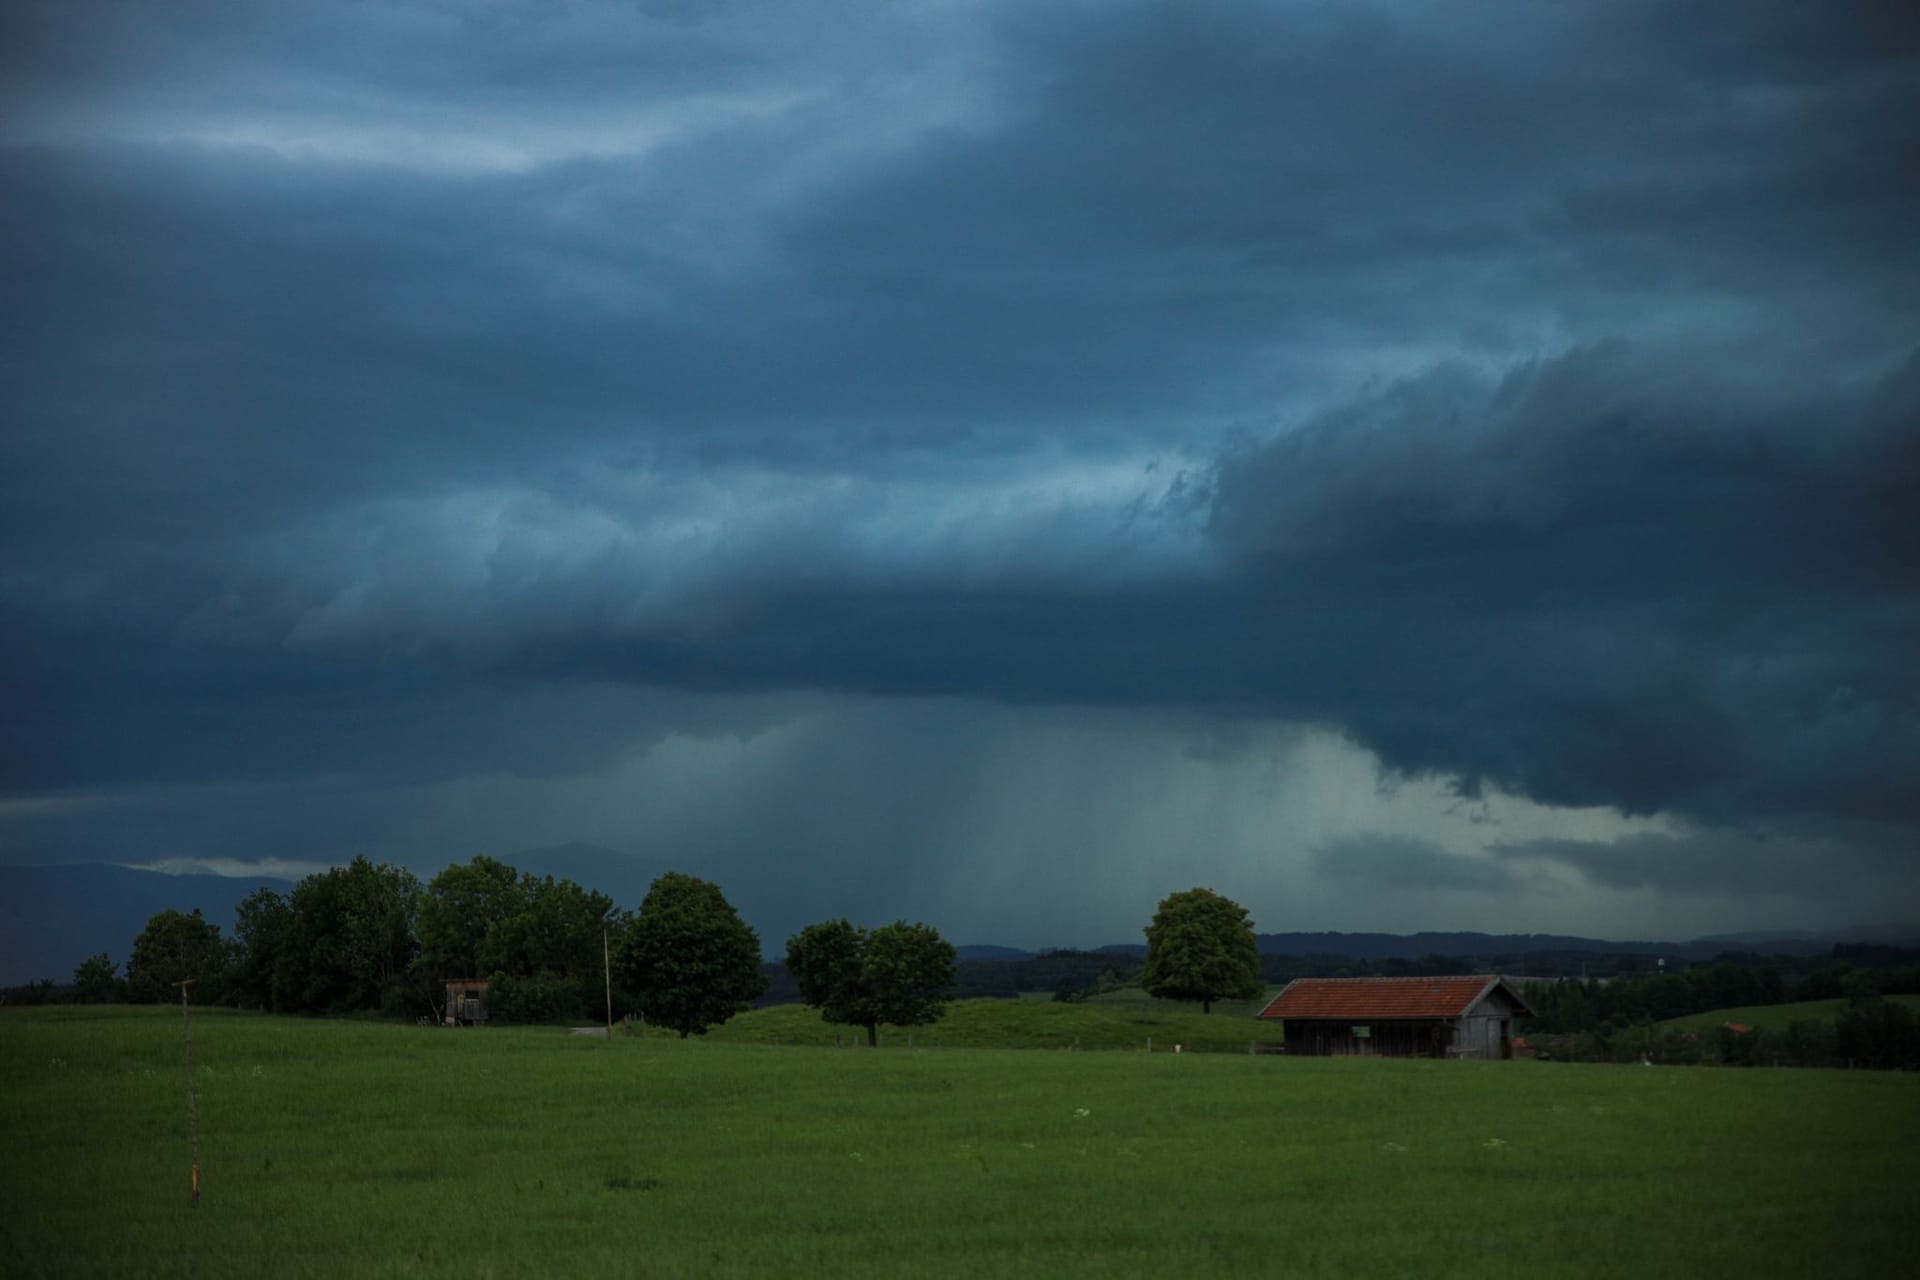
x=1465 y=1017
x=466 y=1002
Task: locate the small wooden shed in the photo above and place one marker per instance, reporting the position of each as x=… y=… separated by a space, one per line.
x=466 y=1002
x=1451 y=1017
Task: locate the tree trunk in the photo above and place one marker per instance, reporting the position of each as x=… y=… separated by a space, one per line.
x=1206 y=1006
x=873 y=1035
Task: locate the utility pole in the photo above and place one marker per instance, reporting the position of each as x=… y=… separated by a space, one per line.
x=606 y=968
x=193 y=1113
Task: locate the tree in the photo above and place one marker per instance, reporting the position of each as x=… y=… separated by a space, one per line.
x=1876 y=1032
x=173 y=948
x=689 y=959
x=349 y=939
x=459 y=908
x=537 y=940
x=94 y=982
x=1200 y=947
x=555 y=934
x=900 y=974
x=260 y=927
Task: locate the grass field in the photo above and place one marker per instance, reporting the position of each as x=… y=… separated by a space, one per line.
x=1775 y=1017
x=1019 y=1024
x=346 y=1148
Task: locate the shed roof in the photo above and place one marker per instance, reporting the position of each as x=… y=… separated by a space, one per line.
x=1350 y=998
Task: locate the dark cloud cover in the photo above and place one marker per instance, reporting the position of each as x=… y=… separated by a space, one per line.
x=1529 y=393
x=1400 y=863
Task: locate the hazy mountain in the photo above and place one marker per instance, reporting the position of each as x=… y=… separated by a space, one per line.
x=1394 y=946
x=52 y=918
x=985 y=951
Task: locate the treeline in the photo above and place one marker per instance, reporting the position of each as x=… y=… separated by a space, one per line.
x=1569 y=1005
x=370 y=938
x=1871 y=1031
x=1622 y=1020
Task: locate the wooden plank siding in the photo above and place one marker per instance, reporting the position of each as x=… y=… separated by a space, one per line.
x=1407 y=1038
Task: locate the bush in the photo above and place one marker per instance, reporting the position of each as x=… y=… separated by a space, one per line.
x=1808 y=1043
x=535 y=998
x=1877 y=1033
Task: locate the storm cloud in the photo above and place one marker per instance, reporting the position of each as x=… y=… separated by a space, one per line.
x=467 y=400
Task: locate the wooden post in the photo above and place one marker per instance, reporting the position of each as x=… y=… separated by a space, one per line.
x=193 y=1113
x=606 y=962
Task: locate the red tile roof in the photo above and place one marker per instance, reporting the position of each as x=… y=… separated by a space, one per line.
x=1352 y=998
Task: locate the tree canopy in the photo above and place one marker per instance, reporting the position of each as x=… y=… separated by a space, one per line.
x=900 y=974
x=95 y=982
x=173 y=948
x=536 y=939
x=260 y=926
x=348 y=941
x=689 y=959
x=1200 y=946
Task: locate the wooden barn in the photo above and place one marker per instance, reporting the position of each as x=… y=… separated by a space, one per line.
x=466 y=1002
x=1466 y=1017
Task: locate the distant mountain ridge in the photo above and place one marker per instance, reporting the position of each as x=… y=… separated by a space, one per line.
x=52 y=918
x=1394 y=946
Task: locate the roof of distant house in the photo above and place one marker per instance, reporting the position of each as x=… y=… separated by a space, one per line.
x=1347 y=998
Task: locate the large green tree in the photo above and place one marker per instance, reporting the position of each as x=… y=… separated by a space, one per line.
x=1200 y=946
x=900 y=974
x=260 y=925
x=173 y=948
x=349 y=940
x=459 y=908
x=689 y=960
x=536 y=939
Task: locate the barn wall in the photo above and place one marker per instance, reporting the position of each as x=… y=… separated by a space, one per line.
x=1479 y=1037
x=1487 y=1029
x=1396 y=1038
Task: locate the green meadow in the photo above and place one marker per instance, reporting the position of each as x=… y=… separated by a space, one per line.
x=366 y=1149
x=1018 y=1024
x=1775 y=1017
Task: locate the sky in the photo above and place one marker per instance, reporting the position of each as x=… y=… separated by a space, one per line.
x=1401 y=465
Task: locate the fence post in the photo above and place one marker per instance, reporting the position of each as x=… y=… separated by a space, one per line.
x=193 y=1114
x=1149 y=1044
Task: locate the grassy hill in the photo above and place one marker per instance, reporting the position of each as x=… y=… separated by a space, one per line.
x=336 y=1148
x=1775 y=1017
x=1018 y=1024
x=1139 y=999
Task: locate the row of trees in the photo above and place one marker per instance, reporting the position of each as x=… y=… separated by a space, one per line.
x=372 y=937
x=1569 y=1005
x=1870 y=1031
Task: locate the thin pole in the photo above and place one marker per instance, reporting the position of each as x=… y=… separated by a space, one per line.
x=606 y=963
x=193 y=1113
